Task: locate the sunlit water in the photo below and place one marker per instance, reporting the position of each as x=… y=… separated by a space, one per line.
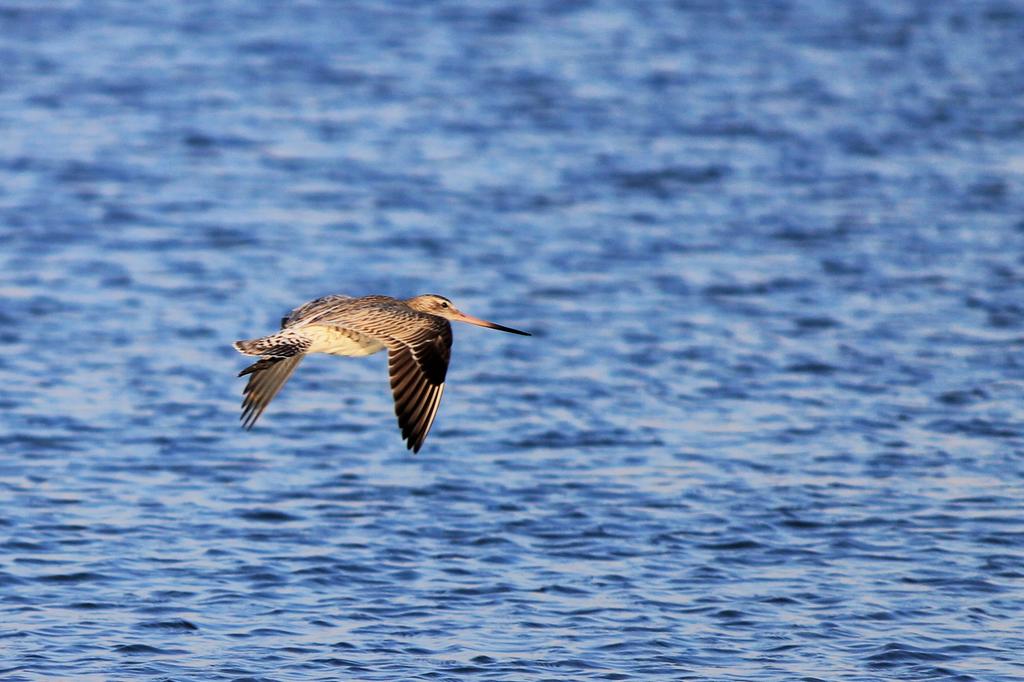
x=769 y=426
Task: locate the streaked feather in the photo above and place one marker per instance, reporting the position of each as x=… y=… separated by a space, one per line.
x=266 y=378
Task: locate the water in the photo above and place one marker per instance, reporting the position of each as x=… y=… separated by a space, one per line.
x=769 y=425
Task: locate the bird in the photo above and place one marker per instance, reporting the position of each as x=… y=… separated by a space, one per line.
x=415 y=332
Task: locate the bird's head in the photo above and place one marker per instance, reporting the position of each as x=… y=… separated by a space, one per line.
x=433 y=304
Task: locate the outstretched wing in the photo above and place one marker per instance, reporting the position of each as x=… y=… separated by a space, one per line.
x=418 y=365
x=266 y=378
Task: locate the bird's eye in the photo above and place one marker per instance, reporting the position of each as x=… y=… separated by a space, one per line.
x=444 y=304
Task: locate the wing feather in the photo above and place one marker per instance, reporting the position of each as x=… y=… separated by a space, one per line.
x=266 y=378
x=424 y=418
x=418 y=365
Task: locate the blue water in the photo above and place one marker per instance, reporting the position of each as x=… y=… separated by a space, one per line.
x=770 y=424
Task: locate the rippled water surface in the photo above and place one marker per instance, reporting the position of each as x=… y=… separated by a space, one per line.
x=769 y=426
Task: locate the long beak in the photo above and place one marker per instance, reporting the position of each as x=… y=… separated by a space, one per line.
x=463 y=317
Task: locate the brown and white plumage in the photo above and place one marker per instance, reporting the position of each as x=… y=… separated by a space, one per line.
x=415 y=332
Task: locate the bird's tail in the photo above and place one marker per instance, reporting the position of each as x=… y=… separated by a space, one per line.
x=251 y=346
x=284 y=344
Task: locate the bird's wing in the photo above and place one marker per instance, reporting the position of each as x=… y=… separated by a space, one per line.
x=266 y=378
x=312 y=311
x=418 y=364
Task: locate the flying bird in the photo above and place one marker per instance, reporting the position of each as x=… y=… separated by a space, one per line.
x=415 y=332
